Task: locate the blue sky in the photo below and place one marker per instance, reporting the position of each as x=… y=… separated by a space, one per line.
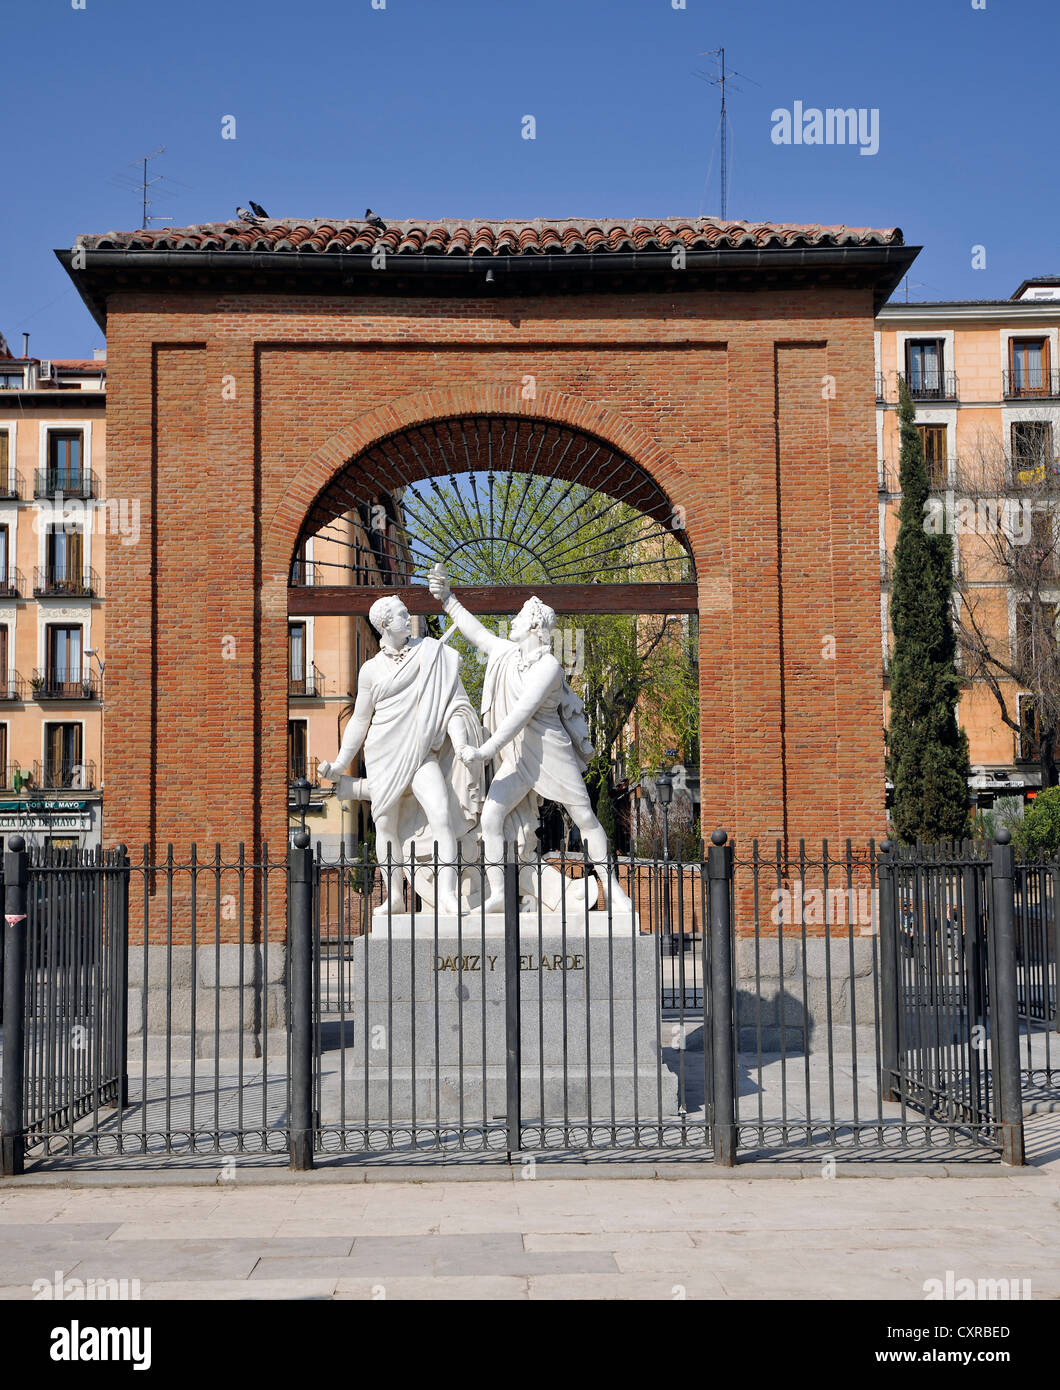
x=417 y=109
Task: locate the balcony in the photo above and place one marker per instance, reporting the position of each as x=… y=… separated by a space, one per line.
x=12 y=687
x=303 y=767
x=13 y=779
x=885 y=567
x=12 y=584
x=1030 y=386
x=932 y=386
x=67 y=482
x=309 y=686
x=10 y=487
x=64 y=776
x=63 y=683
x=881 y=386
x=53 y=583
x=303 y=573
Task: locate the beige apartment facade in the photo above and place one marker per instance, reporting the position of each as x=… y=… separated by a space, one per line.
x=53 y=522
x=985 y=381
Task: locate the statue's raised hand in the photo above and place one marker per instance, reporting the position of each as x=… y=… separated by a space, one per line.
x=438 y=583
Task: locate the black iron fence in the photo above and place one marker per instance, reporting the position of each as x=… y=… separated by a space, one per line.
x=754 y=1003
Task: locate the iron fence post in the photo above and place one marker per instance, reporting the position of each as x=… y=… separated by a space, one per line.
x=120 y=925
x=12 y=1137
x=1052 y=966
x=513 y=1050
x=300 y=998
x=888 y=973
x=722 y=1014
x=1004 y=1001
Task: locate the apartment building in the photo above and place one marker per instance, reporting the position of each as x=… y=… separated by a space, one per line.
x=985 y=380
x=53 y=520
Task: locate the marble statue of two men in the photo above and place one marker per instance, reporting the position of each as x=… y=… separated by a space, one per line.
x=424 y=754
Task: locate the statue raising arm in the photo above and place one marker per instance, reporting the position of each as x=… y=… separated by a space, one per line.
x=469 y=626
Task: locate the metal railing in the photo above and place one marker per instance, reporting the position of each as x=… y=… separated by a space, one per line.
x=12 y=686
x=12 y=584
x=63 y=683
x=1039 y=385
x=303 y=767
x=51 y=583
x=12 y=777
x=70 y=482
x=931 y=386
x=63 y=775
x=833 y=1002
x=11 y=486
x=308 y=686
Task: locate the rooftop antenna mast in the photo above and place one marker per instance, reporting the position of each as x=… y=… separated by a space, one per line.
x=141 y=184
x=724 y=78
x=147 y=184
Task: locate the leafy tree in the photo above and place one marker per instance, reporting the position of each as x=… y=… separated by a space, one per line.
x=1038 y=834
x=927 y=752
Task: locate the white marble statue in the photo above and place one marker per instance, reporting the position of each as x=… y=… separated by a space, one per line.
x=538 y=737
x=413 y=718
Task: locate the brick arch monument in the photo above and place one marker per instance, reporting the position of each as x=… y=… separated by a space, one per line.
x=732 y=363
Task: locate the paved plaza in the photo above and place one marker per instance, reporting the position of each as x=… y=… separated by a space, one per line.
x=774 y=1231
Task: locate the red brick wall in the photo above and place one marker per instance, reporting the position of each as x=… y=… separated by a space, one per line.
x=721 y=396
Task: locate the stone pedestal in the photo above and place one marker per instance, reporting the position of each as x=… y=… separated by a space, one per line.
x=428 y=1023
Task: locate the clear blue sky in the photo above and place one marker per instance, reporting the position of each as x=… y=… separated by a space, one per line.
x=416 y=109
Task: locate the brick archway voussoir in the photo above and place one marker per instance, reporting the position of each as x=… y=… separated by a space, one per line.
x=425 y=407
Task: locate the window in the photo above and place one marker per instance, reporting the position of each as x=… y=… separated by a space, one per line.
x=3 y=556
x=1032 y=450
x=5 y=771
x=1027 y=742
x=5 y=459
x=65 y=472
x=63 y=765
x=301 y=568
x=296 y=658
x=1029 y=366
x=1035 y=635
x=923 y=366
x=297 y=748
x=933 y=438
x=11 y=381
x=1044 y=542
x=64 y=658
x=65 y=557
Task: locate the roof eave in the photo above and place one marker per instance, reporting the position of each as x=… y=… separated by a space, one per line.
x=352 y=271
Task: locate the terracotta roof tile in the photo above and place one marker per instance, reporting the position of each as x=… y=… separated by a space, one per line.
x=474 y=238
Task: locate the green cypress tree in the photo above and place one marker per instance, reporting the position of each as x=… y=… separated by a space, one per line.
x=927 y=753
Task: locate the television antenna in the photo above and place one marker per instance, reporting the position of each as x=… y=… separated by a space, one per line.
x=142 y=184
x=722 y=81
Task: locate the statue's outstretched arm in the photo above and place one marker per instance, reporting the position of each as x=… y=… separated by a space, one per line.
x=466 y=622
x=356 y=729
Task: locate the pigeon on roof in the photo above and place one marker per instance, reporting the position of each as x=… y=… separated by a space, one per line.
x=245 y=215
x=373 y=220
x=257 y=209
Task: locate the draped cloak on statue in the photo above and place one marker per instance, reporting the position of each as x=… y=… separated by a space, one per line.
x=548 y=757
x=415 y=700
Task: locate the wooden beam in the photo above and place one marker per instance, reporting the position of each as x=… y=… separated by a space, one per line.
x=346 y=600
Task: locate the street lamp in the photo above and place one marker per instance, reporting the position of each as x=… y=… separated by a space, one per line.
x=302 y=792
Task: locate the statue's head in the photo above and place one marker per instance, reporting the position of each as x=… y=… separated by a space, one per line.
x=389 y=614
x=534 y=616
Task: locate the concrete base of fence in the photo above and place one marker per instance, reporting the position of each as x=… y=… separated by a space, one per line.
x=588 y=1021
x=811 y=995
x=210 y=1002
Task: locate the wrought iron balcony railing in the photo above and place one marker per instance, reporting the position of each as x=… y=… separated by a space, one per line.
x=303 y=767
x=11 y=583
x=13 y=779
x=931 y=386
x=71 y=482
x=12 y=686
x=1021 y=386
x=63 y=683
x=11 y=486
x=64 y=776
x=51 y=582
x=308 y=686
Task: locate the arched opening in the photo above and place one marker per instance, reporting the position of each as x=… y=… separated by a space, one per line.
x=510 y=506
